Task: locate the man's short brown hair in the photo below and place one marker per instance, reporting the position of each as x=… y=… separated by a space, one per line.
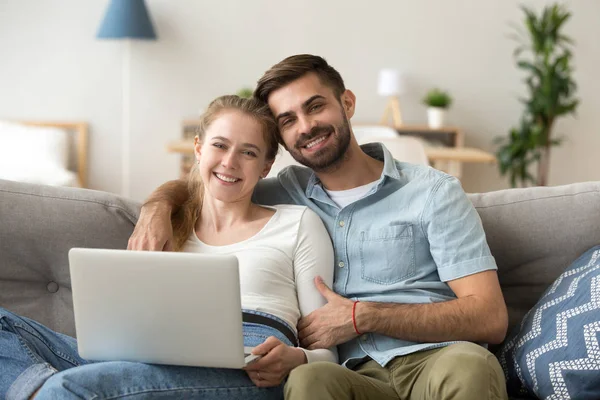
x=295 y=67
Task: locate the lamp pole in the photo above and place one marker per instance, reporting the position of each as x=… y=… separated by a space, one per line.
x=125 y=118
x=126 y=20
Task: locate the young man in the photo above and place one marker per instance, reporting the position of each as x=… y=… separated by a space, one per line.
x=415 y=285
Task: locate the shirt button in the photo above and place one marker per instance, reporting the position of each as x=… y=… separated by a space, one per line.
x=364 y=338
x=341 y=264
x=342 y=223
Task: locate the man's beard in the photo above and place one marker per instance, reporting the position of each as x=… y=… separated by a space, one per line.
x=330 y=157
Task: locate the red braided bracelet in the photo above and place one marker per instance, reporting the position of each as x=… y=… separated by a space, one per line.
x=354 y=317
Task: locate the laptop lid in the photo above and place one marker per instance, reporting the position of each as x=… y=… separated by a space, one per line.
x=157 y=307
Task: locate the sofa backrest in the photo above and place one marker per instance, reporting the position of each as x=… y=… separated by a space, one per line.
x=533 y=233
x=38 y=226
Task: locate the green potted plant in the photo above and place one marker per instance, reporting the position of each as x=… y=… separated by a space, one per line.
x=437 y=102
x=245 y=92
x=544 y=54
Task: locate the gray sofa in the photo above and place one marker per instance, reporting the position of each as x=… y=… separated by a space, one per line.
x=533 y=233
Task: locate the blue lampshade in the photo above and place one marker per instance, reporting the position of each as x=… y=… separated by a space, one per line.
x=126 y=19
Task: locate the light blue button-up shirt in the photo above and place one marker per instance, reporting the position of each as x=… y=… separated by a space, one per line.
x=415 y=230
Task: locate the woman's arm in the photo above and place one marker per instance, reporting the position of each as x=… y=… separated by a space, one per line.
x=154 y=230
x=313 y=257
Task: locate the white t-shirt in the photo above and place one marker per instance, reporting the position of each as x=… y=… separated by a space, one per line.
x=278 y=266
x=344 y=197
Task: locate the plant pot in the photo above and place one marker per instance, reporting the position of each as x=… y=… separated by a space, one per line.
x=435 y=117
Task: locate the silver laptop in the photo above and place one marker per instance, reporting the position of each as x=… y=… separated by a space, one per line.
x=158 y=307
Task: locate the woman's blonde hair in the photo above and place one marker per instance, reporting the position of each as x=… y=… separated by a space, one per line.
x=184 y=220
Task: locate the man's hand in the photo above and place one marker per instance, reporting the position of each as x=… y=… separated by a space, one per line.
x=153 y=231
x=329 y=325
x=277 y=362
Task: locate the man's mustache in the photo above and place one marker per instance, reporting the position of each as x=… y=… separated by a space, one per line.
x=314 y=132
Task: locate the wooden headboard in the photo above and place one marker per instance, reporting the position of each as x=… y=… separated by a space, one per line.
x=78 y=147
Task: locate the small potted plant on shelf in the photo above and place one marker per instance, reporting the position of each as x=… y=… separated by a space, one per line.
x=245 y=92
x=437 y=102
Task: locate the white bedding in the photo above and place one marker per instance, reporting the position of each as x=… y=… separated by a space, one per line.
x=37 y=174
x=35 y=155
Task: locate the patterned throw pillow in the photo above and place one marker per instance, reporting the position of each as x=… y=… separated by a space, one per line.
x=554 y=353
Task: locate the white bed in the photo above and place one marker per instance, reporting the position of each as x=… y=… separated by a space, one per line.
x=49 y=153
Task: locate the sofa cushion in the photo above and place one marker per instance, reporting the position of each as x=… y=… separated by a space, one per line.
x=534 y=234
x=39 y=224
x=554 y=353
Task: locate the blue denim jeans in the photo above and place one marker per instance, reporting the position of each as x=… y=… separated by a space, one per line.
x=34 y=357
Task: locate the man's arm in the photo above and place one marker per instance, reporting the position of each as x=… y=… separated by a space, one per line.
x=154 y=230
x=478 y=315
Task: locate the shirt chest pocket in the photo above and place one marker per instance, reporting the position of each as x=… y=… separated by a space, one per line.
x=388 y=254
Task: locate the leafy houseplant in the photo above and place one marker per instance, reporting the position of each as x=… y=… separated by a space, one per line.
x=437 y=98
x=437 y=101
x=550 y=95
x=245 y=93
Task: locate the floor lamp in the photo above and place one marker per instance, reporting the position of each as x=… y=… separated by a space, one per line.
x=389 y=86
x=126 y=20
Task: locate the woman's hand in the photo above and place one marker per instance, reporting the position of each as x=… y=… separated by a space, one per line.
x=278 y=359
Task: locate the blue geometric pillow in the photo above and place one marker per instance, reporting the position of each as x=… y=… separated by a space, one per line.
x=554 y=353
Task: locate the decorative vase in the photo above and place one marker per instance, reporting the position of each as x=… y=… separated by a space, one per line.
x=435 y=117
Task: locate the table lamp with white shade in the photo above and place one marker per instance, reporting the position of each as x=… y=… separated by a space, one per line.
x=390 y=86
x=126 y=19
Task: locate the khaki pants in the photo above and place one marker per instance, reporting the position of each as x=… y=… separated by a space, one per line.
x=460 y=371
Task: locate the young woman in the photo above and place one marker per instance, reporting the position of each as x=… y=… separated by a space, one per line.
x=281 y=250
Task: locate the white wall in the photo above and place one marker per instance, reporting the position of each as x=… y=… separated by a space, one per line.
x=53 y=68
